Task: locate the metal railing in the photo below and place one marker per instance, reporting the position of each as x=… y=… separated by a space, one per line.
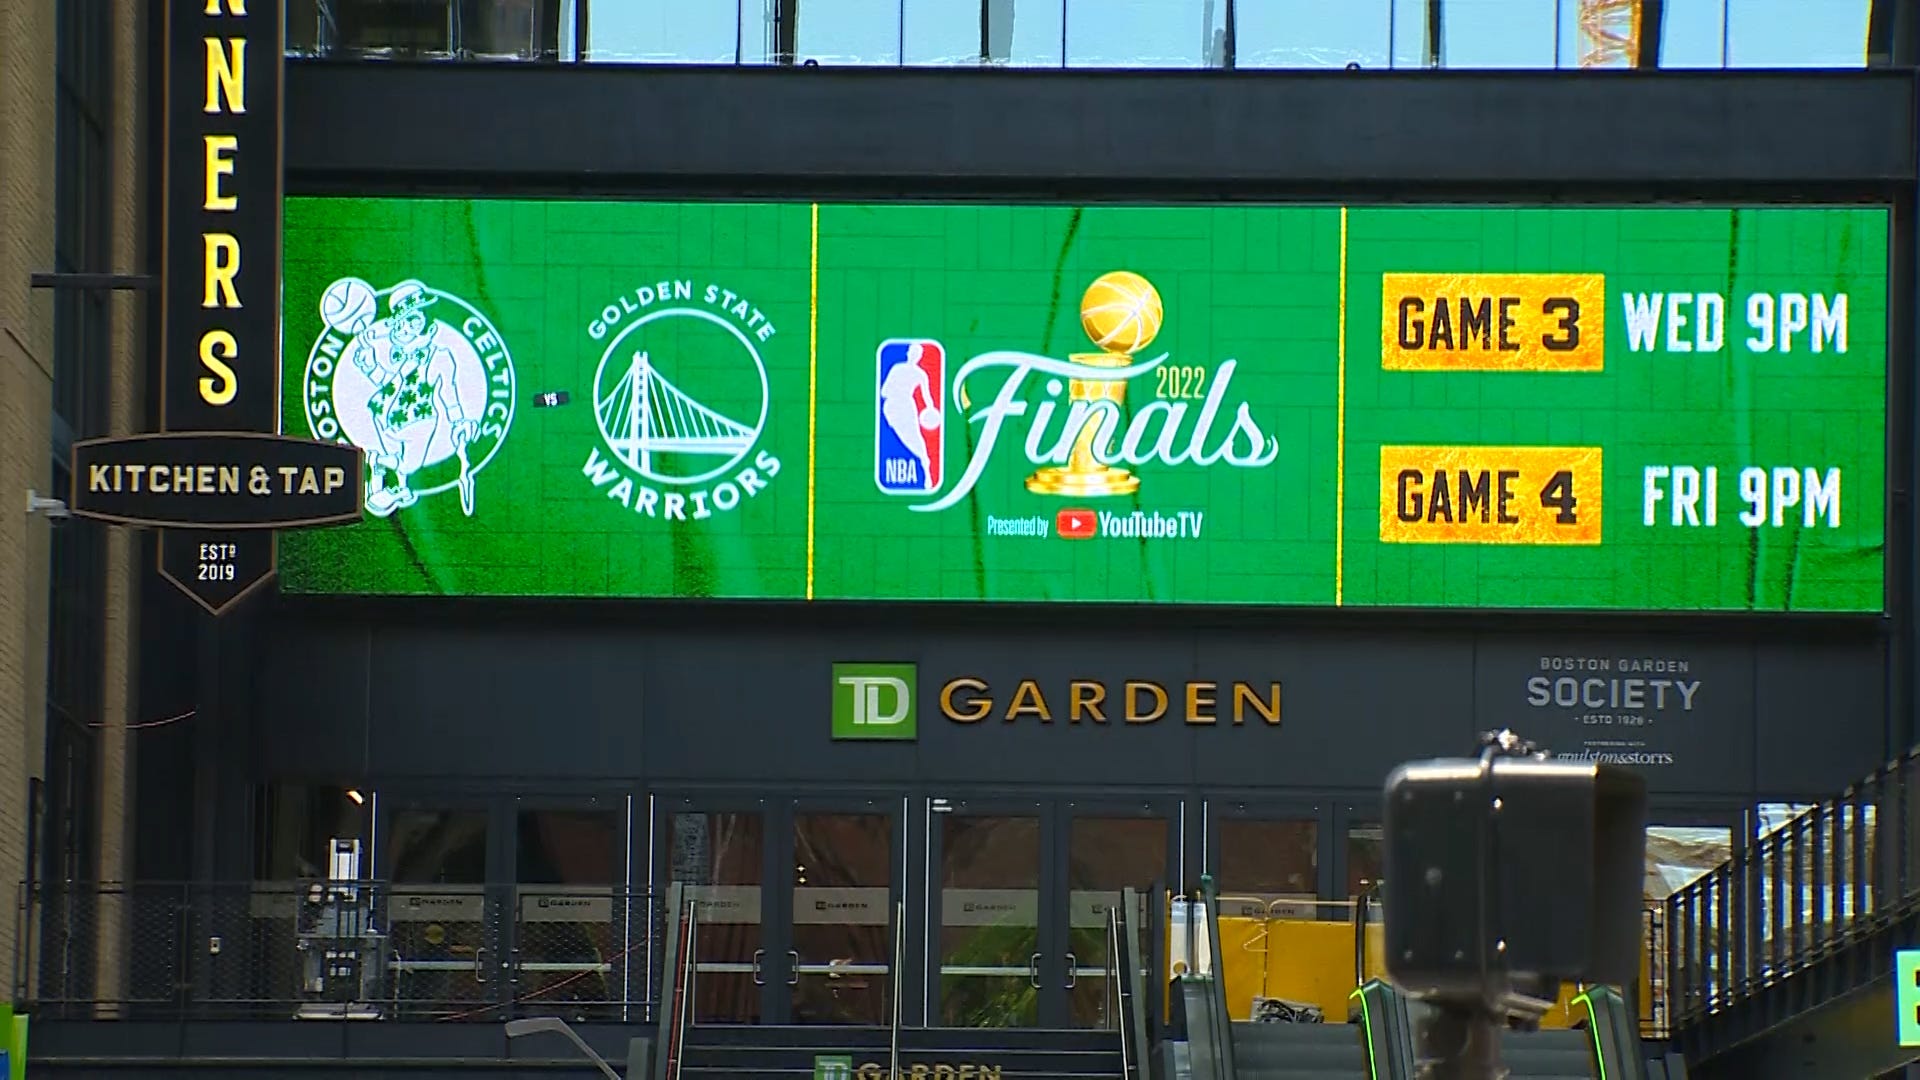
x=1838 y=873
x=359 y=950
x=899 y=962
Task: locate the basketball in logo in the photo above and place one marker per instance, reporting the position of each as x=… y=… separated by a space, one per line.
x=1121 y=311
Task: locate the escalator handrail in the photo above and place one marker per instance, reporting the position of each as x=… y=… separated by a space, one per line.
x=1135 y=983
x=1220 y=1019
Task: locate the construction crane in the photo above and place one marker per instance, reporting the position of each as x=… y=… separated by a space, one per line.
x=1609 y=32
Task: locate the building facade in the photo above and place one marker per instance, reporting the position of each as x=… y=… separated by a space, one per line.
x=76 y=180
x=615 y=623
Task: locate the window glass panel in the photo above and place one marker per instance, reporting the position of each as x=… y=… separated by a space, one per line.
x=1693 y=34
x=1315 y=34
x=1677 y=854
x=1797 y=33
x=848 y=31
x=1143 y=33
x=1499 y=33
x=943 y=32
x=1261 y=862
x=676 y=32
x=1027 y=34
x=297 y=824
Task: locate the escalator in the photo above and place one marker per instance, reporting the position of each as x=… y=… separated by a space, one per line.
x=1206 y=1043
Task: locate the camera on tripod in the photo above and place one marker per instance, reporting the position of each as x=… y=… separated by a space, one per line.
x=1508 y=875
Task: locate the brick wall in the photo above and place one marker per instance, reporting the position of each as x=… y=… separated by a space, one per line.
x=27 y=148
x=26 y=389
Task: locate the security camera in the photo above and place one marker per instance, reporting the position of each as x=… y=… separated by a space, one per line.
x=52 y=509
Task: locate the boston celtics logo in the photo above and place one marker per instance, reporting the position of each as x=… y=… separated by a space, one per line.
x=417 y=378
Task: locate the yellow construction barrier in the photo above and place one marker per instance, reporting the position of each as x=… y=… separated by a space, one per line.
x=1302 y=951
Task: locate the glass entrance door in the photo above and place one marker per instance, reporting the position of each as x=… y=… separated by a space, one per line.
x=720 y=851
x=988 y=943
x=504 y=902
x=439 y=855
x=795 y=905
x=1019 y=895
x=1265 y=857
x=1109 y=847
x=845 y=873
x=570 y=941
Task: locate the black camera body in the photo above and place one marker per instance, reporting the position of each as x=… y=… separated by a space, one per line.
x=1511 y=874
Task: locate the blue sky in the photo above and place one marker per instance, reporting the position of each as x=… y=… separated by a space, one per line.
x=1176 y=33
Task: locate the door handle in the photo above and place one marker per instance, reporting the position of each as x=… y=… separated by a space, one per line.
x=480 y=964
x=759 y=979
x=793 y=968
x=1033 y=970
x=1073 y=974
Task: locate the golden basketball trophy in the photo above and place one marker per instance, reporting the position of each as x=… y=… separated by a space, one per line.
x=1121 y=313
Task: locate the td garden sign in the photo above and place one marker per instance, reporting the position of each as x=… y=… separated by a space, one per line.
x=880 y=701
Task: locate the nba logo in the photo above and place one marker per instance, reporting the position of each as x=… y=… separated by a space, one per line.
x=910 y=432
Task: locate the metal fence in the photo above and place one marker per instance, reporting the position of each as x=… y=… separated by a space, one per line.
x=359 y=950
x=1838 y=873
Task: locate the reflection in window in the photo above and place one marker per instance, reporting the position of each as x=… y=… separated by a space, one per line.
x=848 y=31
x=1315 y=34
x=1797 y=33
x=438 y=847
x=1676 y=855
x=1598 y=33
x=1145 y=33
x=1770 y=818
x=1693 y=34
x=674 y=32
x=1500 y=33
x=1008 y=33
x=297 y=824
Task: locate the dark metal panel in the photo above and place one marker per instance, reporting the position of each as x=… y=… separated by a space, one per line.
x=504 y=701
x=310 y=700
x=1356 y=704
x=753 y=707
x=620 y=128
x=1820 y=718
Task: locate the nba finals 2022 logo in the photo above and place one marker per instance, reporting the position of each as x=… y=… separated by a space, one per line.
x=1078 y=433
x=417 y=378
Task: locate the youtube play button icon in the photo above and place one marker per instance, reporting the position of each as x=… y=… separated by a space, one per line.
x=1076 y=524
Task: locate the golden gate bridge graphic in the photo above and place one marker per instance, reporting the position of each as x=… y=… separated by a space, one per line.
x=642 y=414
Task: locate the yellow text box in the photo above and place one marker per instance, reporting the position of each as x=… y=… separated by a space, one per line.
x=1490 y=495
x=1493 y=322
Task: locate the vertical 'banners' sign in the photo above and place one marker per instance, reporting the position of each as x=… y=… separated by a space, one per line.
x=219 y=481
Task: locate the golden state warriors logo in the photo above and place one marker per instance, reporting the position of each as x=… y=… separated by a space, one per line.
x=681 y=401
x=418 y=379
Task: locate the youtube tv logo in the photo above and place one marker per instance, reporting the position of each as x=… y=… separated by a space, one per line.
x=1076 y=524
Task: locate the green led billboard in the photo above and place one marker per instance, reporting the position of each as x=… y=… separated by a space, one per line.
x=1634 y=409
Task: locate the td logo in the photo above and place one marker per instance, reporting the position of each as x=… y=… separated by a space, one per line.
x=833 y=1067
x=875 y=701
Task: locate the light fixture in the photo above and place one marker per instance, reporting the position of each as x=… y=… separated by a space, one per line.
x=358 y=799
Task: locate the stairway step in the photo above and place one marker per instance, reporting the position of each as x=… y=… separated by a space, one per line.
x=1005 y=1073
x=1294 y=1033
